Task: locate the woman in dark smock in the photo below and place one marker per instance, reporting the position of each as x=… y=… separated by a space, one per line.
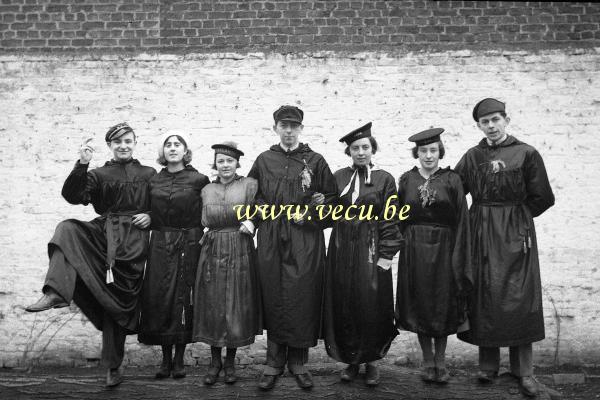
x=359 y=303
x=227 y=305
x=434 y=272
x=100 y=264
x=167 y=295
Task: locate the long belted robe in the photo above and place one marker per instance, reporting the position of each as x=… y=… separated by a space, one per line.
x=509 y=187
x=110 y=242
x=167 y=294
x=291 y=256
x=434 y=269
x=358 y=317
x=227 y=297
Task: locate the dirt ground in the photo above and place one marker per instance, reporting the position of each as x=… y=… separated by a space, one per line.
x=397 y=382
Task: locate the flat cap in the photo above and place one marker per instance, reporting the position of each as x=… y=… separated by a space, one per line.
x=288 y=113
x=116 y=131
x=487 y=106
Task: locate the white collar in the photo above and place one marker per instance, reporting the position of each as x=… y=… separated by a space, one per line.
x=489 y=142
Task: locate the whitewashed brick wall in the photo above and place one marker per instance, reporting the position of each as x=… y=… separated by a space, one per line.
x=49 y=104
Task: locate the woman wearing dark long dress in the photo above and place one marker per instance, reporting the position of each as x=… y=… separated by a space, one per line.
x=434 y=271
x=359 y=303
x=227 y=302
x=100 y=264
x=167 y=294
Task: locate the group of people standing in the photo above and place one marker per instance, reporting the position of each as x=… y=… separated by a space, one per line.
x=169 y=259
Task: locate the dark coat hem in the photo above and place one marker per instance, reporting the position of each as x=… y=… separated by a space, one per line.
x=484 y=342
x=291 y=343
x=224 y=343
x=165 y=339
x=427 y=332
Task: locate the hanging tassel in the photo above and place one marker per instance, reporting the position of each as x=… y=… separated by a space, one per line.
x=371 y=250
x=528 y=241
x=525 y=246
x=183 y=316
x=191 y=297
x=109 y=275
x=368 y=180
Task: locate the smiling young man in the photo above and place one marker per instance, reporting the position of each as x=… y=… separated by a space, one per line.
x=509 y=187
x=100 y=264
x=291 y=252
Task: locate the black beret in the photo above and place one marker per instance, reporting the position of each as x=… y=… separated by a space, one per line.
x=487 y=106
x=426 y=137
x=115 y=132
x=359 y=133
x=229 y=149
x=288 y=113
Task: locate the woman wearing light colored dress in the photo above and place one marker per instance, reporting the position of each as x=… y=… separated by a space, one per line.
x=226 y=302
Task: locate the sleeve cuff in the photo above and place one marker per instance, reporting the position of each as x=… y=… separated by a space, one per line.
x=249 y=225
x=385 y=263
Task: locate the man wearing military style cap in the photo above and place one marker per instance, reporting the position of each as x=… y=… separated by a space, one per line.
x=509 y=187
x=291 y=252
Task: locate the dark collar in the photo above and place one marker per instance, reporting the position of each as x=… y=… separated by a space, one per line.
x=302 y=148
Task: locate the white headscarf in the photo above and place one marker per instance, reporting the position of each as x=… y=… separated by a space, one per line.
x=164 y=137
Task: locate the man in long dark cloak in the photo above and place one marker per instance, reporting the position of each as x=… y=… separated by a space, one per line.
x=291 y=251
x=509 y=187
x=100 y=264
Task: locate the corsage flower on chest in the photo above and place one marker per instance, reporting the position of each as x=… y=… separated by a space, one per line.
x=426 y=193
x=305 y=176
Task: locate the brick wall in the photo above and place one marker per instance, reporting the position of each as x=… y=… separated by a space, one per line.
x=50 y=103
x=291 y=26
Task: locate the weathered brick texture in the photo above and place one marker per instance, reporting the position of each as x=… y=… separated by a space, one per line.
x=290 y=26
x=50 y=103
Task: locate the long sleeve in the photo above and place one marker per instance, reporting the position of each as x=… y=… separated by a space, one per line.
x=251 y=190
x=390 y=238
x=327 y=186
x=203 y=182
x=259 y=199
x=461 y=253
x=81 y=186
x=461 y=169
x=539 y=193
x=402 y=182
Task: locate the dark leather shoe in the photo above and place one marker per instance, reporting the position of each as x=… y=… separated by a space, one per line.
x=46 y=302
x=529 y=386
x=113 y=377
x=230 y=376
x=178 y=372
x=428 y=374
x=372 y=375
x=163 y=372
x=486 y=376
x=267 y=382
x=304 y=380
x=442 y=375
x=349 y=373
x=212 y=374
